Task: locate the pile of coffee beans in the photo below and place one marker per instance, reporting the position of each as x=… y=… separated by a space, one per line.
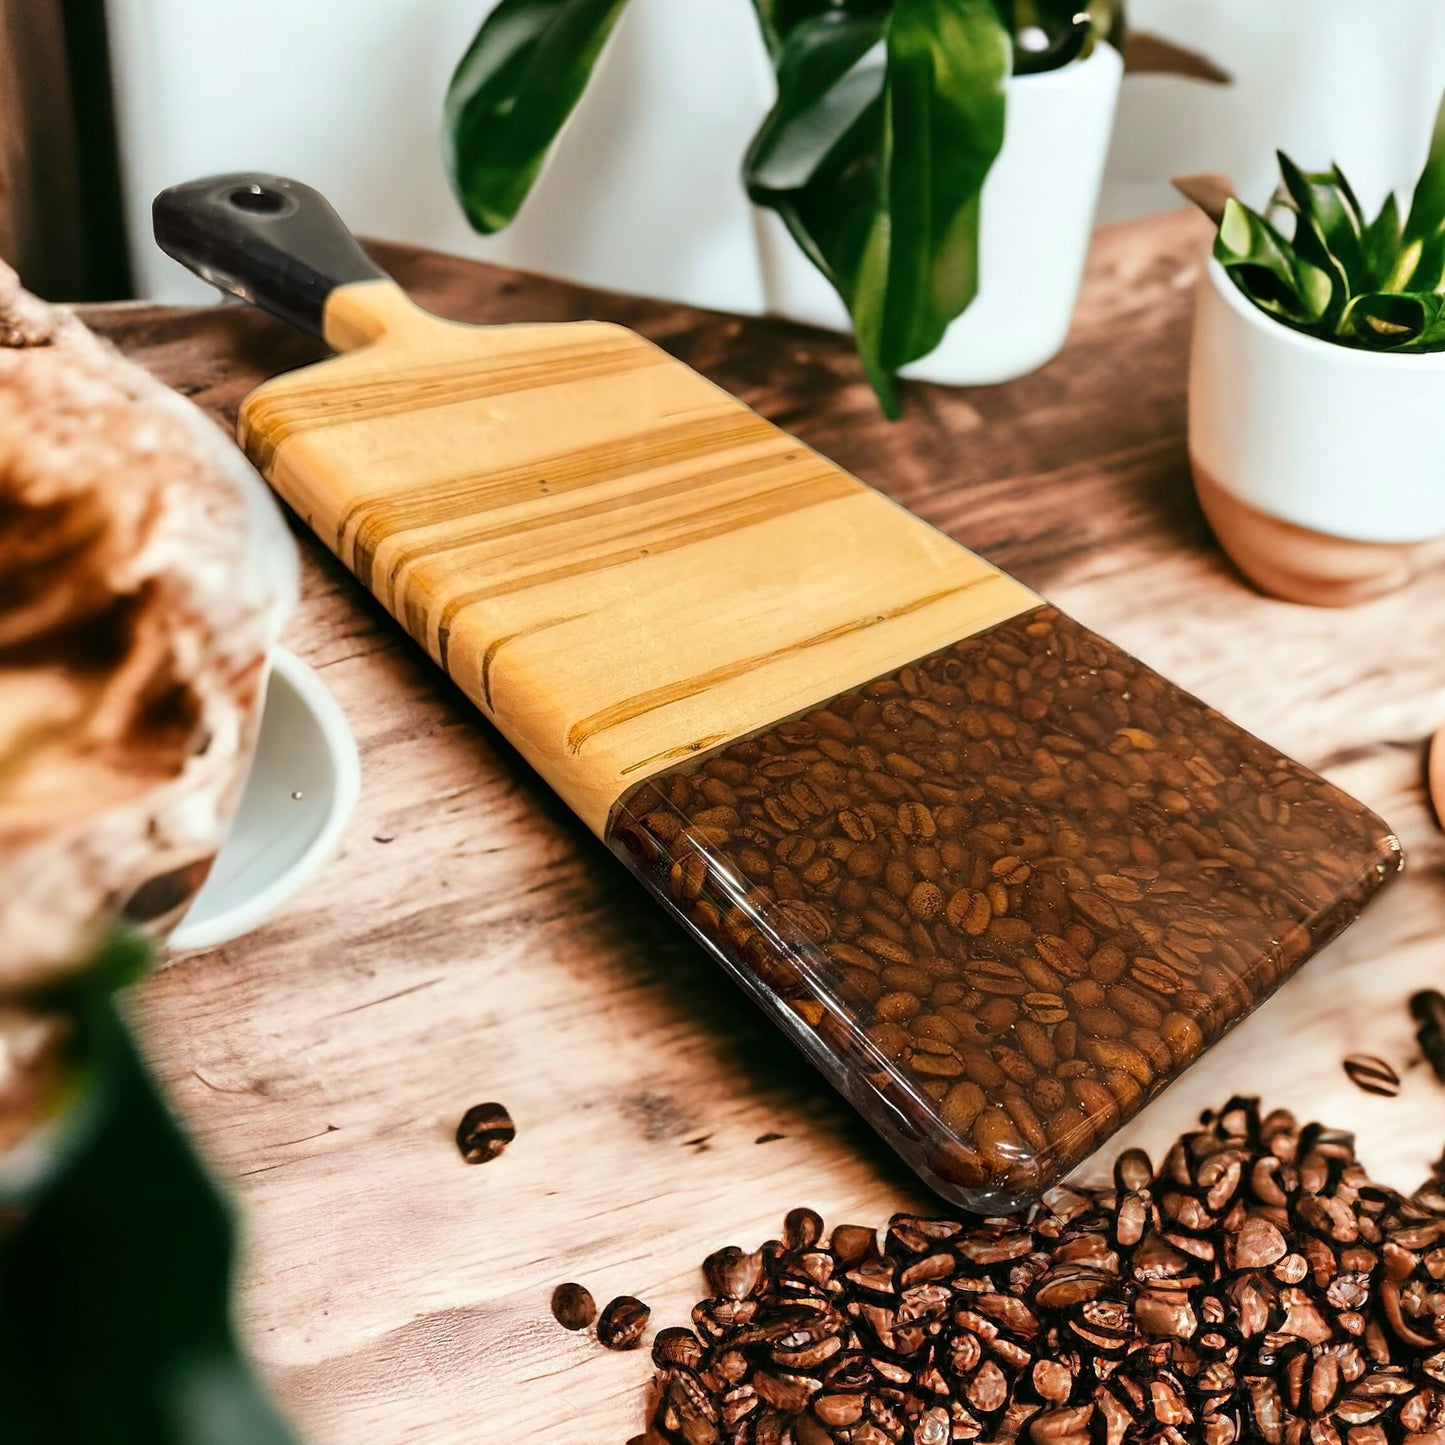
x=1005 y=894
x=1257 y=1287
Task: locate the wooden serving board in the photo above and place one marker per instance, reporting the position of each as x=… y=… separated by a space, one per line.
x=617 y=561
x=473 y=941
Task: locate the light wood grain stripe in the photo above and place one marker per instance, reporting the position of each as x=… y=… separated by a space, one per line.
x=338 y=398
x=473 y=494
x=635 y=707
x=797 y=494
x=695 y=488
x=695 y=483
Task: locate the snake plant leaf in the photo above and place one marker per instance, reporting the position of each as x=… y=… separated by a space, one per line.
x=1427 y=209
x=515 y=87
x=1377 y=285
x=1388 y=320
x=1263 y=265
x=874 y=157
x=115 y=1267
x=1429 y=272
x=1431 y=337
x=1381 y=243
x=1328 y=229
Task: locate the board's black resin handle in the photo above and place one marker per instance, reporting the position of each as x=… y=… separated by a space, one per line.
x=271 y=241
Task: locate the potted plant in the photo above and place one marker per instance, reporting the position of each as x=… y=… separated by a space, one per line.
x=1317 y=384
x=877 y=158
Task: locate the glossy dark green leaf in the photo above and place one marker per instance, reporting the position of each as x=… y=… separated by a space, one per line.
x=514 y=89
x=1266 y=269
x=778 y=19
x=115 y=1267
x=1427 y=209
x=826 y=197
x=1059 y=47
x=1050 y=34
x=948 y=61
x=827 y=82
x=874 y=157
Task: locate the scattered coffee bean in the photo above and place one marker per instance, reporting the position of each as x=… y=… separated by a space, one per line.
x=485 y=1130
x=622 y=1323
x=1372 y=1075
x=1025 y=863
x=1428 y=1008
x=1263 y=1292
x=573 y=1306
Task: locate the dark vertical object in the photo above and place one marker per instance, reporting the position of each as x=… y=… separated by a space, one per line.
x=60 y=219
x=39 y=187
x=107 y=272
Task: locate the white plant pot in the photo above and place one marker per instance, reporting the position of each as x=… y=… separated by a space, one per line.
x=1352 y=81
x=1037 y=216
x=642 y=195
x=1318 y=465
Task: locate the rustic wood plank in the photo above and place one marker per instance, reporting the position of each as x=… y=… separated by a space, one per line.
x=472 y=941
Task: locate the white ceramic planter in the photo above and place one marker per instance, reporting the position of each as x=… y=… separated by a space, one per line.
x=1037 y=217
x=643 y=193
x=1353 y=81
x=1318 y=465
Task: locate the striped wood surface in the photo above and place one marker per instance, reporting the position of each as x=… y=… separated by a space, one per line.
x=617 y=561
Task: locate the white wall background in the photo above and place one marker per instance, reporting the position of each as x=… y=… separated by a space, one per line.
x=346 y=95
x=643 y=194
x=1353 y=81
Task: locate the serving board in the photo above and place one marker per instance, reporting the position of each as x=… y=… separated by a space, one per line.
x=619 y=563
x=473 y=941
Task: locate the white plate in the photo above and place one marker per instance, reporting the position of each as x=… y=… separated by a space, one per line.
x=299 y=795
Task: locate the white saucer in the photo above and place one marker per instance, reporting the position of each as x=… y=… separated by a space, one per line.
x=300 y=792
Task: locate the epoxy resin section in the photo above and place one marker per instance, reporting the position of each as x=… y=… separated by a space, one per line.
x=1004 y=895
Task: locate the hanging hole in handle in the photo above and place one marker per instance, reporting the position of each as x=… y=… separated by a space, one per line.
x=259 y=200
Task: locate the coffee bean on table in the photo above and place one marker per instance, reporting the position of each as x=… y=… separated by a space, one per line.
x=485 y=1130
x=573 y=1306
x=1267 y=1293
x=1025 y=863
x=622 y=1323
x=1372 y=1075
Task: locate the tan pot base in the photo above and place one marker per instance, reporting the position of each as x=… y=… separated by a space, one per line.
x=1299 y=564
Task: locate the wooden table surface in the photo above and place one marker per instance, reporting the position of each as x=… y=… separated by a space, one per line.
x=472 y=942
